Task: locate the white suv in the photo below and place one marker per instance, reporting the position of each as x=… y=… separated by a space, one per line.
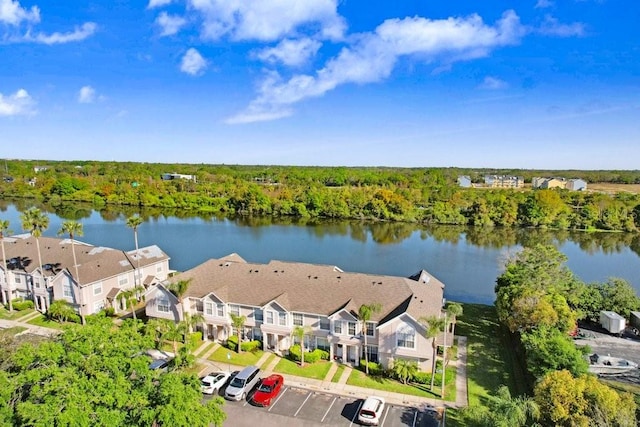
x=371 y=411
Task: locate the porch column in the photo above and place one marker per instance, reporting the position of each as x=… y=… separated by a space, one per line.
x=357 y=355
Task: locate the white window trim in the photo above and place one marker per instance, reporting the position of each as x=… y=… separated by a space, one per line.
x=355 y=328
x=97 y=289
x=270 y=317
x=232 y=309
x=162 y=302
x=298 y=316
x=404 y=330
x=373 y=329
x=220 y=306
x=208 y=307
x=340 y=324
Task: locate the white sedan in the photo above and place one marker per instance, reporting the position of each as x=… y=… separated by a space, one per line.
x=213 y=382
x=371 y=411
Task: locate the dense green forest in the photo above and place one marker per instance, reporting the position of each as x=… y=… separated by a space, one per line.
x=418 y=195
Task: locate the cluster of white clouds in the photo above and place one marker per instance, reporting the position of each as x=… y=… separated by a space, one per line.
x=18 y=103
x=289 y=35
x=19 y=25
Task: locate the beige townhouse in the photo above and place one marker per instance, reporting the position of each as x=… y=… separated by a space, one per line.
x=89 y=284
x=278 y=296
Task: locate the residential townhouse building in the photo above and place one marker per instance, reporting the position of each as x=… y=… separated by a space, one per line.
x=278 y=296
x=89 y=286
x=503 y=181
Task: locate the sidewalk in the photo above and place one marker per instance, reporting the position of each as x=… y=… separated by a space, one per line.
x=31 y=329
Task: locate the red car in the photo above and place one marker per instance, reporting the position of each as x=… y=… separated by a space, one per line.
x=269 y=389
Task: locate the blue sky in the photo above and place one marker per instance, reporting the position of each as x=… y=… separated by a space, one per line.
x=540 y=84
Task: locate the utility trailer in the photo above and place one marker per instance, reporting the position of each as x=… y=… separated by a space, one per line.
x=612 y=322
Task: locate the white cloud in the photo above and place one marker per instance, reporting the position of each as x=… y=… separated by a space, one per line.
x=492 y=83
x=543 y=4
x=290 y=52
x=20 y=103
x=268 y=20
x=78 y=34
x=158 y=3
x=86 y=95
x=372 y=57
x=169 y=24
x=551 y=27
x=13 y=14
x=193 y=63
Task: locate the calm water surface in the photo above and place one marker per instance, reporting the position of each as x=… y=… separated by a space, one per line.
x=466 y=260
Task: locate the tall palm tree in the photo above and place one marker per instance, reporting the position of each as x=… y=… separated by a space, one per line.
x=134 y=222
x=299 y=332
x=34 y=221
x=4 y=229
x=73 y=229
x=238 y=323
x=180 y=288
x=364 y=315
x=453 y=310
x=191 y=322
x=434 y=326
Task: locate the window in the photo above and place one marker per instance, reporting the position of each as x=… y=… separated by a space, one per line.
x=322 y=343
x=373 y=353
x=208 y=308
x=36 y=283
x=282 y=319
x=220 y=310
x=371 y=327
x=406 y=337
x=270 y=317
x=337 y=326
x=97 y=288
x=297 y=319
x=325 y=325
x=123 y=280
x=159 y=268
x=17 y=278
x=234 y=309
x=163 y=305
x=352 y=328
x=97 y=306
x=258 y=315
x=67 y=291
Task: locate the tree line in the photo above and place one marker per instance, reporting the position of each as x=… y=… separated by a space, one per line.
x=416 y=195
x=540 y=301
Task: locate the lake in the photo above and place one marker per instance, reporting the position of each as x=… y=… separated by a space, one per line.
x=467 y=260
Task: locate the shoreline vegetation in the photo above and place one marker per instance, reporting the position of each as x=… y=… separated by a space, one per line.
x=410 y=195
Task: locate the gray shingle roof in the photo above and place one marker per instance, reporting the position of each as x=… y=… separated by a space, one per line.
x=312 y=288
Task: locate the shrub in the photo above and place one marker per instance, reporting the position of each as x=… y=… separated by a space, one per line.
x=422 y=378
x=375 y=369
x=251 y=345
x=20 y=304
x=194 y=340
x=232 y=343
x=309 y=356
x=110 y=311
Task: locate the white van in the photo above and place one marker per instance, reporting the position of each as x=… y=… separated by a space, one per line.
x=242 y=383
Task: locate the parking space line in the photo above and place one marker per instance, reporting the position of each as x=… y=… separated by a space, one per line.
x=356 y=414
x=305 y=401
x=415 y=418
x=279 y=397
x=384 y=418
x=328 y=409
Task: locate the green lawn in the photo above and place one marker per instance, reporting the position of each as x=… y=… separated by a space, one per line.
x=43 y=321
x=338 y=374
x=268 y=361
x=360 y=379
x=5 y=314
x=317 y=370
x=245 y=358
x=15 y=330
x=207 y=348
x=490 y=361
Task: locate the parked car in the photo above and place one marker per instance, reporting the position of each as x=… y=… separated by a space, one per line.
x=371 y=411
x=242 y=383
x=160 y=364
x=268 y=390
x=213 y=382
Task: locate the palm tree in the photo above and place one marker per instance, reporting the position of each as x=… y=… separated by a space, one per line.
x=404 y=369
x=238 y=323
x=299 y=332
x=364 y=315
x=505 y=410
x=4 y=229
x=134 y=222
x=180 y=288
x=34 y=221
x=190 y=322
x=453 y=310
x=434 y=326
x=74 y=228
x=131 y=298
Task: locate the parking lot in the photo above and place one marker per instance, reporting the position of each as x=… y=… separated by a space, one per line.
x=301 y=407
